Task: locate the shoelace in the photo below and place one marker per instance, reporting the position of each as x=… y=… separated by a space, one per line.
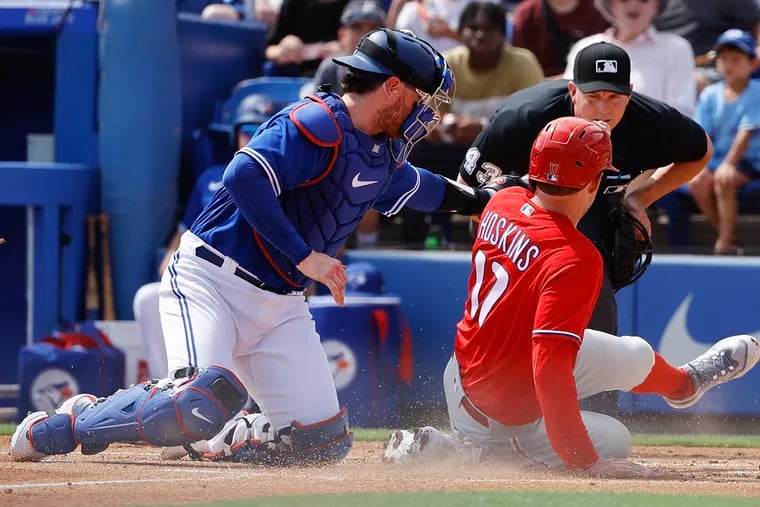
x=713 y=367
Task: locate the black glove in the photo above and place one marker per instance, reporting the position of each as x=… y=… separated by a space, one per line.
x=630 y=248
x=501 y=182
x=494 y=185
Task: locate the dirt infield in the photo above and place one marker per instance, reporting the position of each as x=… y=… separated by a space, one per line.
x=133 y=474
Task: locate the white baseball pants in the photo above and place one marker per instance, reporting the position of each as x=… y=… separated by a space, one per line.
x=210 y=316
x=605 y=363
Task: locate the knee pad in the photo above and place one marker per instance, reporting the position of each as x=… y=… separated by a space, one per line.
x=163 y=414
x=53 y=435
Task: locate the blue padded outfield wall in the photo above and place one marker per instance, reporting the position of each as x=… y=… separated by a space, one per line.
x=140 y=132
x=682 y=305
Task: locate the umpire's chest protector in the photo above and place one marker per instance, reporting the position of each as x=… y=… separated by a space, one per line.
x=326 y=209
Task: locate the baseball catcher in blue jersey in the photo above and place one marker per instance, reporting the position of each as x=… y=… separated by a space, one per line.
x=233 y=314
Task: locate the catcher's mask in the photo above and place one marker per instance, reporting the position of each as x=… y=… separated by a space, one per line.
x=631 y=250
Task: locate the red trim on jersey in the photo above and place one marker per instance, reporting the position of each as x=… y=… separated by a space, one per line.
x=269 y=259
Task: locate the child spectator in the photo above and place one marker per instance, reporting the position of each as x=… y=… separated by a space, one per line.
x=729 y=111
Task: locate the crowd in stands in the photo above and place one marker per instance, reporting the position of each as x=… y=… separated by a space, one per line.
x=680 y=50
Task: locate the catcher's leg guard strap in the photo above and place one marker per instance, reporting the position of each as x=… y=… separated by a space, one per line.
x=326 y=441
x=323 y=442
x=167 y=416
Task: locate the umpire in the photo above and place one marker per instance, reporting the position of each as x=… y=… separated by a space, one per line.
x=656 y=149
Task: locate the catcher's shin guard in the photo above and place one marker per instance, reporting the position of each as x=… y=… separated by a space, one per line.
x=161 y=413
x=323 y=442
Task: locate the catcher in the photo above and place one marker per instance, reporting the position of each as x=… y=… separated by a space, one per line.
x=657 y=149
x=523 y=355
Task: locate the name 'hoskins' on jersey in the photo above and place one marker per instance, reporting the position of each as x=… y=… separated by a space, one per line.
x=518 y=245
x=508 y=237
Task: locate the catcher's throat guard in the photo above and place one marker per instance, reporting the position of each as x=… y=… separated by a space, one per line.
x=630 y=251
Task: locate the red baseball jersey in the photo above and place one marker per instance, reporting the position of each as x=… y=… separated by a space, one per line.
x=534 y=279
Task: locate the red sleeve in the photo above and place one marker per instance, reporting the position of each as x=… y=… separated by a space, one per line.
x=553 y=362
x=568 y=295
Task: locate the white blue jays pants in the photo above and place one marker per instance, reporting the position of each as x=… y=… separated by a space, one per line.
x=210 y=316
x=604 y=363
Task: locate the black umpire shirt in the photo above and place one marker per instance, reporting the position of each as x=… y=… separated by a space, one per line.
x=651 y=134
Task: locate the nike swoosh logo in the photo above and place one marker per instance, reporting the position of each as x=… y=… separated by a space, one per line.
x=677 y=346
x=197 y=413
x=357 y=183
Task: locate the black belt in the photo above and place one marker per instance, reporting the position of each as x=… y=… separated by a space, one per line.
x=217 y=260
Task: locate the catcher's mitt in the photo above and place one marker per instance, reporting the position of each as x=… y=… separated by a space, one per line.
x=630 y=251
x=494 y=185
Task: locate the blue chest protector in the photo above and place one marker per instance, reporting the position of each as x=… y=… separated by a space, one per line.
x=326 y=209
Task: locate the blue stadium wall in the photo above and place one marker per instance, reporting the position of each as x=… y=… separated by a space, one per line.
x=681 y=306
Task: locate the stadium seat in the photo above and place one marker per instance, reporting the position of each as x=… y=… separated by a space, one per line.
x=282 y=90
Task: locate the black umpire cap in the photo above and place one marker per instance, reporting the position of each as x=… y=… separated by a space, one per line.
x=602 y=67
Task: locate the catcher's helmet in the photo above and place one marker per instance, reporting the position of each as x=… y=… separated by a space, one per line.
x=254 y=109
x=391 y=52
x=570 y=152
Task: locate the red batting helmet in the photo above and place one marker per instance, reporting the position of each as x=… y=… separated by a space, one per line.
x=570 y=152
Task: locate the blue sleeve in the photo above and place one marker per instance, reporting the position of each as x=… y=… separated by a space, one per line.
x=750 y=118
x=414 y=187
x=276 y=159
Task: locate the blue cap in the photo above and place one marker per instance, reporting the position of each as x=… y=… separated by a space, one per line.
x=741 y=40
x=364 y=279
x=362 y=11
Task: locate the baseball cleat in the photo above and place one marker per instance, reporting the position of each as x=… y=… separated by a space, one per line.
x=22 y=448
x=425 y=444
x=727 y=360
x=397 y=448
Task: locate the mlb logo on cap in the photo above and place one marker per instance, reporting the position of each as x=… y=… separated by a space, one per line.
x=602 y=67
x=606 y=66
x=553 y=170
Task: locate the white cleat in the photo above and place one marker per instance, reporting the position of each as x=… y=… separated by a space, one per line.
x=426 y=444
x=21 y=445
x=727 y=360
x=397 y=448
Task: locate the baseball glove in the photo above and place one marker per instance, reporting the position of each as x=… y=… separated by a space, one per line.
x=630 y=251
x=494 y=185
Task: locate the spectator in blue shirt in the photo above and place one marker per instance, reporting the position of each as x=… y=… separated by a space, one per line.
x=729 y=111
